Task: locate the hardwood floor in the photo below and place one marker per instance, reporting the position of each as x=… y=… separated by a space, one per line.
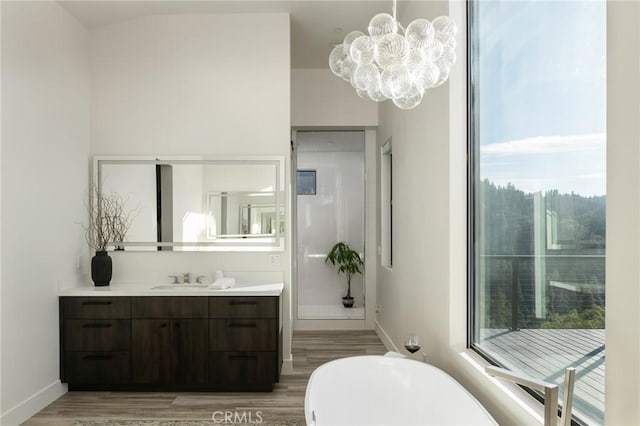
x=283 y=406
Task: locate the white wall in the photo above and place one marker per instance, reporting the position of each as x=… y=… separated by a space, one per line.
x=319 y=98
x=45 y=145
x=414 y=295
x=193 y=85
x=426 y=291
x=622 y=379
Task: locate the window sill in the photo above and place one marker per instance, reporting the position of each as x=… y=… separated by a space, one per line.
x=506 y=398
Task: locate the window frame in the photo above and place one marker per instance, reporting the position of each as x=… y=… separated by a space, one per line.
x=473 y=176
x=386 y=204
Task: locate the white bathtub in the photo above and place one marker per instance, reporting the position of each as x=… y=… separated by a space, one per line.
x=379 y=390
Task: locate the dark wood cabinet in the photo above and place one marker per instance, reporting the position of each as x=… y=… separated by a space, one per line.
x=189 y=352
x=169 y=351
x=244 y=336
x=167 y=342
x=169 y=307
x=96 y=307
x=239 y=370
x=243 y=307
x=95 y=336
x=97 y=370
x=151 y=351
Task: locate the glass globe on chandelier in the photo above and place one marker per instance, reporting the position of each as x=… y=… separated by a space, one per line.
x=389 y=65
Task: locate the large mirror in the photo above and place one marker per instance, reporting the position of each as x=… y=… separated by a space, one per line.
x=197 y=204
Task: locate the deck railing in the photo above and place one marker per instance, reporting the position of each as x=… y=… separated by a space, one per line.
x=535 y=286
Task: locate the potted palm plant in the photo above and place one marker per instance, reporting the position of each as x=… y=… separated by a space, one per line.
x=348 y=262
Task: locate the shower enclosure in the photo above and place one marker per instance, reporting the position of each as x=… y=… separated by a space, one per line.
x=329 y=204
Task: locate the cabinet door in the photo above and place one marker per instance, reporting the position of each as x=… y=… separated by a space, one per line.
x=97 y=368
x=242 y=335
x=243 y=307
x=96 y=335
x=151 y=351
x=189 y=351
x=248 y=370
x=94 y=307
x=169 y=307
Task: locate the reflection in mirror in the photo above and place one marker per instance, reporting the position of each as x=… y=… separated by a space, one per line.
x=233 y=215
x=198 y=204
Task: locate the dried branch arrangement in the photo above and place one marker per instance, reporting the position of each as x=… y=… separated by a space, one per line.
x=109 y=220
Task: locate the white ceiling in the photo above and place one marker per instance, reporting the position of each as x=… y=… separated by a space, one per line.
x=315 y=25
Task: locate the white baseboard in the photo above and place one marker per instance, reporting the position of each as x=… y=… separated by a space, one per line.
x=32 y=405
x=386 y=340
x=287 y=365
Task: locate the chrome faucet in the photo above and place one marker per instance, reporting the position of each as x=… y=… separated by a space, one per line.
x=550 y=391
x=181 y=279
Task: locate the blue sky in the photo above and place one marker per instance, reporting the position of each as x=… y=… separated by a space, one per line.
x=542 y=81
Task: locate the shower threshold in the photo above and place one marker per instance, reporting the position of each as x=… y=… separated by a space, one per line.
x=330 y=312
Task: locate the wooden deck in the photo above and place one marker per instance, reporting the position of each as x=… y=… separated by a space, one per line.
x=544 y=354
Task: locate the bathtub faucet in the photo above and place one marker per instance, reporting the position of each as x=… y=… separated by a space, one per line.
x=550 y=391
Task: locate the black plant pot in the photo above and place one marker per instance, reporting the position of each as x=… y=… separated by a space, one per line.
x=101 y=268
x=347 y=302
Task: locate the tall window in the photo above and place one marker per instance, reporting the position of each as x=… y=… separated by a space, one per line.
x=537 y=91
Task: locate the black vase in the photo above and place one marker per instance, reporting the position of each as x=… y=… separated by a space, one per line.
x=101 y=268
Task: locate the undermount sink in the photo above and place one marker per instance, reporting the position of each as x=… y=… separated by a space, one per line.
x=180 y=287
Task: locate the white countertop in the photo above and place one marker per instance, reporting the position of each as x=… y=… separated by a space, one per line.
x=240 y=289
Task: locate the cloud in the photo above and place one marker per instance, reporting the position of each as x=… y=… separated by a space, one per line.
x=547 y=145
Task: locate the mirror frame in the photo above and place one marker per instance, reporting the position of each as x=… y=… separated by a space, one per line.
x=250 y=245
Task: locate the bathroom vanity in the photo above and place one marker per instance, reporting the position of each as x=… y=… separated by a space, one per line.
x=183 y=336
x=122 y=338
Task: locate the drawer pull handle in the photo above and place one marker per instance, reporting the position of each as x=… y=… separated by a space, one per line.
x=97 y=303
x=97 y=357
x=97 y=325
x=242 y=357
x=243 y=325
x=242 y=302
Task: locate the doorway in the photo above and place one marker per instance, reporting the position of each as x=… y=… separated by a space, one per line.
x=329 y=207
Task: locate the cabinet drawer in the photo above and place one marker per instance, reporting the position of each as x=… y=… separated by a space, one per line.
x=97 y=335
x=242 y=368
x=96 y=307
x=169 y=307
x=242 y=335
x=243 y=307
x=97 y=368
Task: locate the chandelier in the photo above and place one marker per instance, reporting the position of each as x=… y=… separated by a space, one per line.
x=396 y=63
